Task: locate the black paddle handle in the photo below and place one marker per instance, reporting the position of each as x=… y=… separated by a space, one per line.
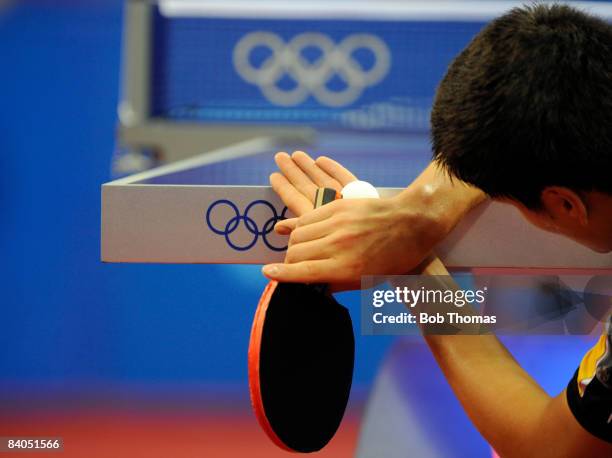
x=324 y=196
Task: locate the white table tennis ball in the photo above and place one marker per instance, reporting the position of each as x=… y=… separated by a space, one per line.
x=359 y=190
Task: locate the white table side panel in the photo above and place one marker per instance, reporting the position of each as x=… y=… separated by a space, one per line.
x=167 y=224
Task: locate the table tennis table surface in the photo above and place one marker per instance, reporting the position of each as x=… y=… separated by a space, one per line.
x=385 y=160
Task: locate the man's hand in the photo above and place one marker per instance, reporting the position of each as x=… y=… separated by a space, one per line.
x=346 y=239
x=343 y=240
x=299 y=179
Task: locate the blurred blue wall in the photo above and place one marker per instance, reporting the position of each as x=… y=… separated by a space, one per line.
x=66 y=317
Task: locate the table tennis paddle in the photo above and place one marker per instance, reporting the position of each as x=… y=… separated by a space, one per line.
x=301 y=356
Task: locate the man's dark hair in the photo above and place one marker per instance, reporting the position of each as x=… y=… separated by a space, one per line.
x=528 y=104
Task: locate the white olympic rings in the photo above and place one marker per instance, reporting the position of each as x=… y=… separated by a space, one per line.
x=311 y=77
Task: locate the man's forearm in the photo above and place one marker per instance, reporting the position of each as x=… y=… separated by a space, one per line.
x=507 y=406
x=501 y=399
x=445 y=200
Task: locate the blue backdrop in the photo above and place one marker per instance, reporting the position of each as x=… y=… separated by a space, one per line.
x=66 y=317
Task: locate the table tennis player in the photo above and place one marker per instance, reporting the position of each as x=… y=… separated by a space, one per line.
x=523 y=115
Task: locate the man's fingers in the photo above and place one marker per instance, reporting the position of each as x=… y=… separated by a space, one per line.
x=335 y=170
x=319 y=214
x=317 y=175
x=306 y=231
x=295 y=175
x=321 y=271
x=308 y=251
x=312 y=231
x=303 y=272
x=285 y=226
x=297 y=202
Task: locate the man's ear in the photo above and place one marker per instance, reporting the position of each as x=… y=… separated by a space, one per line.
x=564 y=206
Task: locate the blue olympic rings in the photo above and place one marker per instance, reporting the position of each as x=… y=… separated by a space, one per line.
x=249 y=223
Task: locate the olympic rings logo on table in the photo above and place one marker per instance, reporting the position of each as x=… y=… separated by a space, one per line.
x=249 y=223
x=311 y=78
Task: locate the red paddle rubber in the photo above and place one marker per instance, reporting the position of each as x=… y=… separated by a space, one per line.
x=254 y=347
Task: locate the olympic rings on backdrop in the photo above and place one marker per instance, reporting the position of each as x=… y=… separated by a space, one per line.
x=311 y=78
x=249 y=223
